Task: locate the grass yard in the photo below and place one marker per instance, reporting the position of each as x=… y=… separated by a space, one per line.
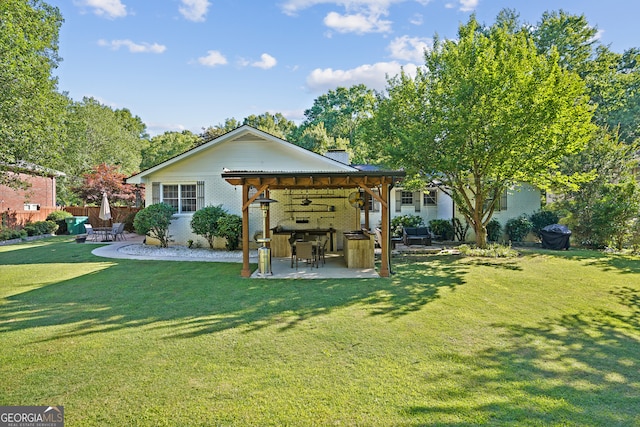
x=550 y=338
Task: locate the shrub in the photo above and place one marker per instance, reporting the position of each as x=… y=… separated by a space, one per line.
x=491 y=251
x=59 y=218
x=154 y=221
x=541 y=219
x=230 y=227
x=205 y=222
x=10 y=234
x=442 y=228
x=518 y=228
x=398 y=223
x=40 y=227
x=494 y=230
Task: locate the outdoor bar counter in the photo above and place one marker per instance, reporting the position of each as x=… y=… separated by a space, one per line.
x=280 y=246
x=358 y=249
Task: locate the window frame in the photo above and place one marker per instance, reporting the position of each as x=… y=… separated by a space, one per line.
x=430 y=194
x=180 y=197
x=404 y=196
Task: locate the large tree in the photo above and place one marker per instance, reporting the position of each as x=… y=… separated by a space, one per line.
x=612 y=79
x=98 y=134
x=343 y=111
x=165 y=146
x=486 y=112
x=31 y=109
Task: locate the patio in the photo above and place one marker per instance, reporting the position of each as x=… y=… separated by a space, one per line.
x=335 y=268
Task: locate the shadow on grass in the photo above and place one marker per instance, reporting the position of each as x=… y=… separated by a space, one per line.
x=580 y=369
x=625 y=264
x=188 y=299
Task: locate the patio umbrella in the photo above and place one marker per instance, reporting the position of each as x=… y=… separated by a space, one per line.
x=105 y=209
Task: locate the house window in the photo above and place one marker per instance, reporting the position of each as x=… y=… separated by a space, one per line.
x=501 y=204
x=407 y=198
x=430 y=197
x=183 y=197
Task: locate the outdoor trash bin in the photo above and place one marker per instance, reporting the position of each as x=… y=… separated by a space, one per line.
x=75 y=224
x=555 y=236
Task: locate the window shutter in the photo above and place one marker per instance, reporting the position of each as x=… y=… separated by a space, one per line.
x=200 y=195
x=398 y=200
x=417 y=200
x=155 y=193
x=503 y=201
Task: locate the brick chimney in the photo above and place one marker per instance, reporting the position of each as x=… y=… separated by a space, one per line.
x=341 y=156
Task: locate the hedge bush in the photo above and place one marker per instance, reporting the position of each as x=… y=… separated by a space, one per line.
x=518 y=228
x=541 y=219
x=10 y=234
x=40 y=227
x=154 y=221
x=442 y=228
x=230 y=227
x=59 y=218
x=494 y=230
x=205 y=222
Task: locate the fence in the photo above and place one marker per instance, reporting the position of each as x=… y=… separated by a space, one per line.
x=118 y=214
x=15 y=219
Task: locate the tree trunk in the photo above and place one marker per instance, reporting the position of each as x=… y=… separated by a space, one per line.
x=481 y=234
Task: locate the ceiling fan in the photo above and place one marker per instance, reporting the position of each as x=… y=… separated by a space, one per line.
x=306 y=201
x=356 y=200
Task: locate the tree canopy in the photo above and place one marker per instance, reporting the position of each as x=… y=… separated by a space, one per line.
x=31 y=109
x=486 y=112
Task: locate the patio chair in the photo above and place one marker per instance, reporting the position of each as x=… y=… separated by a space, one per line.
x=322 y=250
x=91 y=235
x=117 y=231
x=304 y=251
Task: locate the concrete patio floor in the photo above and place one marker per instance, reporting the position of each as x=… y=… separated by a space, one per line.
x=335 y=268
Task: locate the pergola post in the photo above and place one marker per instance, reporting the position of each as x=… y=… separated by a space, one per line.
x=384 y=244
x=246 y=272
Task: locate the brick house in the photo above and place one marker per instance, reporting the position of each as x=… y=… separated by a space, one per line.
x=33 y=203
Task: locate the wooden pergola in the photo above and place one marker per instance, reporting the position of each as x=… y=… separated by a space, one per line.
x=263 y=181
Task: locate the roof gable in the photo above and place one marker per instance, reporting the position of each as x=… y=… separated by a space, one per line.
x=252 y=150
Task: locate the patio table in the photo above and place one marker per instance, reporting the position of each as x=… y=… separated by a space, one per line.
x=104 y=232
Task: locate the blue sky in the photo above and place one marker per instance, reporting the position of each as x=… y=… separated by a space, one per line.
x=190 y=64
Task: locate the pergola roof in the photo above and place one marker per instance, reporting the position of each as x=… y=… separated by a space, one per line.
x=278 y=180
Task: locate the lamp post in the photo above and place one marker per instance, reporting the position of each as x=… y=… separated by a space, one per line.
x=264 y=252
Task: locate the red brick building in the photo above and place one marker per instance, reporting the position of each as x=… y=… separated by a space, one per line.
x=33 y=203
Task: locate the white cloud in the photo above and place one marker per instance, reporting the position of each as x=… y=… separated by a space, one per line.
x=213 y=58
x=409 y=48
x=133 y=47
x=159 y=128
x=108 y=8
x=468 y=5
x=266 y=61
x=417 y=19
x=194 y=10
x=373 y=76
x=357 y=23
x=361 y=16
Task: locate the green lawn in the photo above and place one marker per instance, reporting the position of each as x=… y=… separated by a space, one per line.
x=550 y=338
